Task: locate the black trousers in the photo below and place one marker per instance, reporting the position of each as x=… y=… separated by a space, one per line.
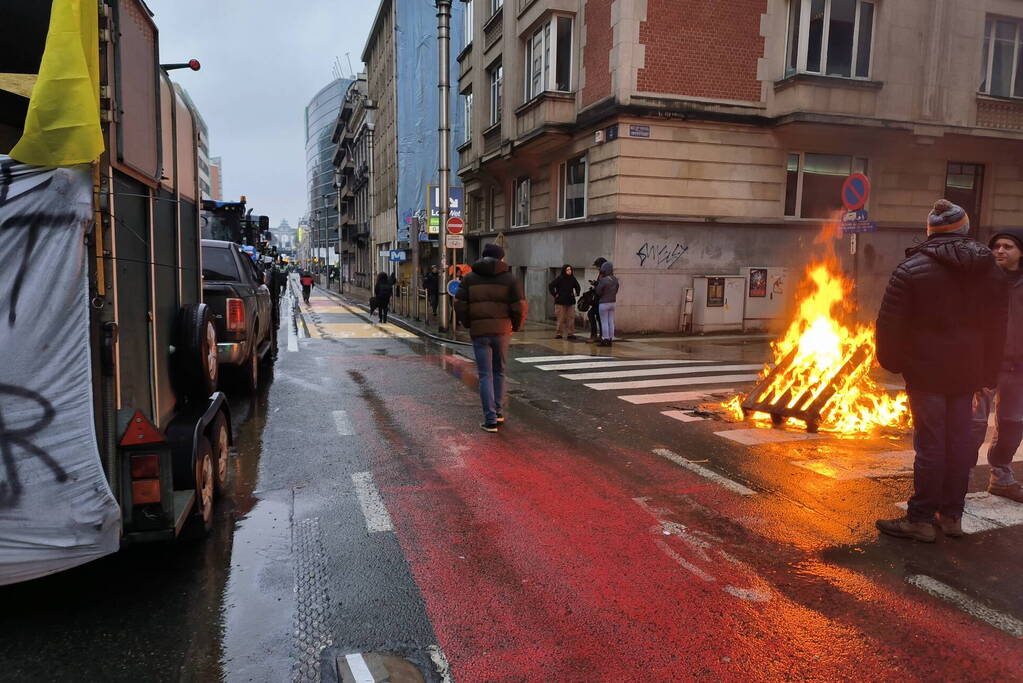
x=594 y=316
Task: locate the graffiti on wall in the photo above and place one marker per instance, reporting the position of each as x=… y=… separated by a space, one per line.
x=661 y=254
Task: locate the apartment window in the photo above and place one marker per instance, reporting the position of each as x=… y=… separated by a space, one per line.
x=468 y=26
x=963 y=185
x=813 y=187
x=572 y=189
x=492 y=210
x=467 y=110
x=495 y=75
x=830 y=37
x=1001 y=73
x=495 y=5
x=549 y=58
x=522 y=202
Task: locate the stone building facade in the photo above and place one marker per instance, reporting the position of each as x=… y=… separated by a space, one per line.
x=353 y=161
x=701 y=138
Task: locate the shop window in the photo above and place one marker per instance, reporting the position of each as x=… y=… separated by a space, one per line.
x=813 y=187
x=830 y=37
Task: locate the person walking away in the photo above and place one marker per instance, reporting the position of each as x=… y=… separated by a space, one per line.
x=607 y=296
x=382 y=293
x=1007 y=397
x=565 y=288
x=490 y=302
x=593 y=314
x=431 y=283
x=942 y=326
x=306 y=280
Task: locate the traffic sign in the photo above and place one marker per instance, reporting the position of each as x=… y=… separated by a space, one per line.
x=850 y=227
x=455 y=227
x=455 y=241
x=453 y=286
x=855 y=191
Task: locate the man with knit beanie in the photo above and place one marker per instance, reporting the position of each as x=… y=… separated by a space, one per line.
x=490 y=302
x=942 y=326
x=1007 y=398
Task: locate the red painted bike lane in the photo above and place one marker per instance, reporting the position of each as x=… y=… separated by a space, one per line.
x=544 y=559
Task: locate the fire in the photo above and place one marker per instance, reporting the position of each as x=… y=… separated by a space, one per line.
x=824 y=361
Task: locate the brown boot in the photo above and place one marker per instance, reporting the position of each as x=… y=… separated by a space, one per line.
x=951 y=526
x=1013 y=491
x=903 y=527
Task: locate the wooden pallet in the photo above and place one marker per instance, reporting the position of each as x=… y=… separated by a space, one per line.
x=811 y=404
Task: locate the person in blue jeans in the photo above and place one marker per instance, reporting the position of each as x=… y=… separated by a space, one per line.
x=490 y=302
x=942 y=326
x=607 y=297
x=1007 y=398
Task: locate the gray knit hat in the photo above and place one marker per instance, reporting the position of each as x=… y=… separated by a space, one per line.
x=947 y=217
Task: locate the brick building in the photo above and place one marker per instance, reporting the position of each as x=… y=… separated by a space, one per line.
x=687 y=139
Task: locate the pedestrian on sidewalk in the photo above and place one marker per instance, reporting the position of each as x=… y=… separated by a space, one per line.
x=942 y=326
x=490 y=302
x=431 y=283
x=565 y=288
x=306 y=280
x=593 y=313
x=607 y=296
x=382 y=293
x=1007 y=398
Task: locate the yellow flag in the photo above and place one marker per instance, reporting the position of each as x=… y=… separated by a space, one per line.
x=62 y=126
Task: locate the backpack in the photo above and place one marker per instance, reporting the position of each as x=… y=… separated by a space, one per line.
x=585 y=301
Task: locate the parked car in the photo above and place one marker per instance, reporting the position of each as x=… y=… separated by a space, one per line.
x=234 y=288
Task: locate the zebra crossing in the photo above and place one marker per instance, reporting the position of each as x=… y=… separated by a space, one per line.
x=695 y=380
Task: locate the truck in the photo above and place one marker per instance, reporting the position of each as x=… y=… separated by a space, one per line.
x=112 y=429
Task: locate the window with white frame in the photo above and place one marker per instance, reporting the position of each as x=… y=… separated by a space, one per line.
x=495 y=75
x=469 y=22
x=830 y=37
x=1001 y=73
x=521 y=216
x=813 y=187
x=495 y=5
x=467 y=111
x=572 y=189
x=549 y=58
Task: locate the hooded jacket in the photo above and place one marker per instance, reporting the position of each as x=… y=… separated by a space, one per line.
x=943 y=317
x=490 y=301
x=565 y=288
x=607 y=284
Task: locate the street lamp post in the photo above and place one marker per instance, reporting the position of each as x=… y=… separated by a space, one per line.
x=444 y=130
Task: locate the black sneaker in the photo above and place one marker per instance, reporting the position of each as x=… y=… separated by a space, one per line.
x=489 y=426
x=572 y=337
x=557 y=336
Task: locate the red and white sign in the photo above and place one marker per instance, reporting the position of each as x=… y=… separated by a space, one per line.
x=455 y=225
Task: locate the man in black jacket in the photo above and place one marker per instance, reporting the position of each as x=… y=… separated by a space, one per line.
x=942 y=326
x=565 y=288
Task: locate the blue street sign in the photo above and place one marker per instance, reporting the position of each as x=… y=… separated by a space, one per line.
x=853 y=216
x=397 y=256
x=453 y=286
x=858 y=226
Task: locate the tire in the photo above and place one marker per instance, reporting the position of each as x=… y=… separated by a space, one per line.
x=248 y=378
x=196 y=353
x=200 y=520
x=220 y=443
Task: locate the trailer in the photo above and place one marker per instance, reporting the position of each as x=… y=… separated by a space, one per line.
x=112 y=431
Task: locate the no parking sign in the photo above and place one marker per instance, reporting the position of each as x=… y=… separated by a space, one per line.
x=855 y=191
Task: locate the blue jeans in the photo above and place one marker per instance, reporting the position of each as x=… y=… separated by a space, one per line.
x=1007 y=402
x=607 y=320
x=945 y=453
x=491 y=357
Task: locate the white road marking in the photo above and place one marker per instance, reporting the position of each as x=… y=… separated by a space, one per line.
x=942 y=591
x=292 y=325
x=440 y=661
x=870 y=466
x=718 y=479
x=342 y=423
x=660 y=372
x=755 y=437
x=985 y=512
x=551 y=359
x=681 y=416
x=617 y=364
x=692 y=568
x=360 y=671
x=674 y=382
x=673 y=396
x=373 y=508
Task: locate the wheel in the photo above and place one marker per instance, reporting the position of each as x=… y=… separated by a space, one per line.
x=250 y=376
x=196 y=351
x=200 y=521
x=220 y=442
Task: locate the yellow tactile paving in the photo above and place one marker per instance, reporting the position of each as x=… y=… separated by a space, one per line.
x=360 y=331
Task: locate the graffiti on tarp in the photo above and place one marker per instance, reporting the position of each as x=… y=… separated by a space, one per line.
x=661 y=254
x=18 y=438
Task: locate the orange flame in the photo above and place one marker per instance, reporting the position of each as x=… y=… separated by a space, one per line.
x=823 y=342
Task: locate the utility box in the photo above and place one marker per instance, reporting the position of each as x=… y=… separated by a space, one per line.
x=718 y=303
x=767 y=296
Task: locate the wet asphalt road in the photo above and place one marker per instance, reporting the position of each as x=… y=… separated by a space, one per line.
x=368 y=513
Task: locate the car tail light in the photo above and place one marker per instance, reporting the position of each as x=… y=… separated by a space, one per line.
x=145 y=491
x=235 y=314
x=145 y=466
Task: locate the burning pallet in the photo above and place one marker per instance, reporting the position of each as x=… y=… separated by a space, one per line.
x=811 y=403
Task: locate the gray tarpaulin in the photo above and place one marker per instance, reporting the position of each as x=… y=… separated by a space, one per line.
x=56 y=508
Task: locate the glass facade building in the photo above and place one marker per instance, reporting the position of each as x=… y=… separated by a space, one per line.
x=320 y=117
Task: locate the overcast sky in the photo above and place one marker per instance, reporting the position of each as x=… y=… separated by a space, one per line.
x=262 y=61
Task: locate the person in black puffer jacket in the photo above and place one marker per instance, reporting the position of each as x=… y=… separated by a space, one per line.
x=382 y=292
x=565 y=288
x=942 y=326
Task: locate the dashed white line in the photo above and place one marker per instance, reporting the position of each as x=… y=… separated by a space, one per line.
x=942 y=591
x=342 y=423
x=360 y=671
x=292 y=325
x=674 y=382
x=718 y=479
x=673 y=396
x=659 y=372
x=755 y=437
x=373 y=508
x=617 y=364
x=551 y=359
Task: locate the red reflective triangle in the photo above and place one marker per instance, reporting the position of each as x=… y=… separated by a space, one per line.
x=140 y=431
